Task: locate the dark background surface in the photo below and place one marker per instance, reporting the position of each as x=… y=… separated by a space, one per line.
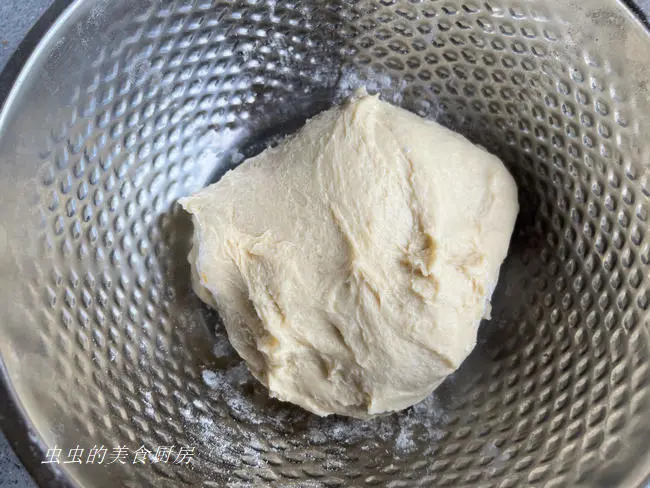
x=16 y=18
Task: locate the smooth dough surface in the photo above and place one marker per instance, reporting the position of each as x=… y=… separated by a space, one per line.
x=353 y=263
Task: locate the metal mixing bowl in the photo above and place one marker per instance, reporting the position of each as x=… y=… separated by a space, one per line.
x=127 y=105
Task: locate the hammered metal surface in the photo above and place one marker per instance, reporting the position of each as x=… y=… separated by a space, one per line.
x=129 y=105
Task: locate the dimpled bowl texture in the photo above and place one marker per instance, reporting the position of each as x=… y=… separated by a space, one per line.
x=127 y=105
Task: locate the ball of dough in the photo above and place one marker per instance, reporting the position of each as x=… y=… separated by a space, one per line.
x=353 y=263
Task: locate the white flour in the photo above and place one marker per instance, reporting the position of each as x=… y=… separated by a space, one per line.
x=257 y=423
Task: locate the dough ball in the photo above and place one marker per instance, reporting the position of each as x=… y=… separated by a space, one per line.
x=353 y=263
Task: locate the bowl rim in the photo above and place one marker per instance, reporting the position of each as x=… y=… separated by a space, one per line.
x=14 y=421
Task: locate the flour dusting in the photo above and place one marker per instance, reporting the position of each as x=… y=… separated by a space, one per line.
x=243 y=422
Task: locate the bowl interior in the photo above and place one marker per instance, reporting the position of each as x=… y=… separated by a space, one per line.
x=129 y=105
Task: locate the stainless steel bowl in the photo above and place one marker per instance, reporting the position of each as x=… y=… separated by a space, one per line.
x=128 y=104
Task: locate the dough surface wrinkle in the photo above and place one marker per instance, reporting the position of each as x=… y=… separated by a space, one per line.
x=353 y=263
